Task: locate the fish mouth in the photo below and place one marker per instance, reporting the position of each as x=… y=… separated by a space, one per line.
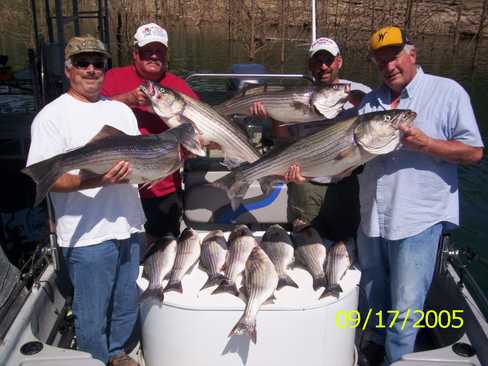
x=148 y=89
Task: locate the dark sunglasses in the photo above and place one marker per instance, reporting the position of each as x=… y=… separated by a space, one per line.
x=327 y=59
x=83 y=64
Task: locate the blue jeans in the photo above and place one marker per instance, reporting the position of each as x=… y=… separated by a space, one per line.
x=105 y=294
x=396 y=275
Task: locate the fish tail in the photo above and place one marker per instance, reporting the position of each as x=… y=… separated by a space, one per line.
x=319 y=282
x=174 y=286
x=333 y=290
x=154 y=293
x=44 y=174
x=245 y=325
x=235 y=187
x=227 y=286
x=214 y=280
x=286 y=280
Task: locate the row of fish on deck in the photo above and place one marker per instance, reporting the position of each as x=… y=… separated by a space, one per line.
x=264 y=264
x=332 y=152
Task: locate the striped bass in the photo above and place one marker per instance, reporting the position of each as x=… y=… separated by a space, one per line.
x=333 y=152
x=241 y=242
x=290 y=105
x=152 y=157
x=187 y=255
x=340 y=258
x=310 y=252
x=157 y=266
x=278 y=246
x=176 y=108
x=212 y=258
x=260 y=281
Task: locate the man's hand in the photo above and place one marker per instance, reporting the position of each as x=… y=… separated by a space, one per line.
x=414 y=139
x=294 y=174
x=118 y=174
x=257 y=109
x=138 y=97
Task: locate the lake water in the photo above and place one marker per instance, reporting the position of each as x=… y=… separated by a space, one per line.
x=209 y=51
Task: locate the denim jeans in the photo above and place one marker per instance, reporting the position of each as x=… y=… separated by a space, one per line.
x=396 y=275
x=105 y=294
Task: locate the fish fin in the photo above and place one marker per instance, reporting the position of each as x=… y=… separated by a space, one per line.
x=44 y=174
x=107 y=132
x=227 y=286
x=154 y=293
x=345 y=153
x=186 y=134
x=236 y=188
x=270 y=300
x=300 y=106
x=345 y=173
x=245 y=326
x=319 y=282
x=174 y=286
x=214 y=280
x=286 y=280
x=174 y=121
x=333 y=290
x=231 y=163
x=268 y=182
x=192 y=266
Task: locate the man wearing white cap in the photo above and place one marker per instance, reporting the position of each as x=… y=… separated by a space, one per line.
x=332 y=208
x=161 y=202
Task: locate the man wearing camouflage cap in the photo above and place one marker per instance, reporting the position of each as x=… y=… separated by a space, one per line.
x=410 y=196
x=99 y=218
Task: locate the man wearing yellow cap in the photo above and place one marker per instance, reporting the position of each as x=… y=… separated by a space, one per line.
x=409 y=197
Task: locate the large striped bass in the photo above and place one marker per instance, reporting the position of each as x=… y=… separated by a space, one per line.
x=176 y=108
x=290 y=105
x=152 y=157
x=332 y=152
x=260 y=283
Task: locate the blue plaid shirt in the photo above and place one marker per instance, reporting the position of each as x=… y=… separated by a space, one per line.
x=405 y=192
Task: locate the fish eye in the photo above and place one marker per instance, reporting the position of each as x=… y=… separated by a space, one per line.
x=387 y=118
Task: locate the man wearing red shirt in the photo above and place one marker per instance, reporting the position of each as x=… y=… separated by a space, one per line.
x=161 y=202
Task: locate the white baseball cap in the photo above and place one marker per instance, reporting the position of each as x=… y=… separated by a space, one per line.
x=324 y=44
x=148 y=33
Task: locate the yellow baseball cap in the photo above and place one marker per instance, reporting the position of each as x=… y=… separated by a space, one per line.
x=388 y=36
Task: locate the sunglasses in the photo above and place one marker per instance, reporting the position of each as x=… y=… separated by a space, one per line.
x=324 y=59
x=83 y=64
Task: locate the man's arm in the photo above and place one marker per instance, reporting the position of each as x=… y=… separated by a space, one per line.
x=118 y=174
x=452 y=151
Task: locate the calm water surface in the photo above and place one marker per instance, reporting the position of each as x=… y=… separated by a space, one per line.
x=209 y=51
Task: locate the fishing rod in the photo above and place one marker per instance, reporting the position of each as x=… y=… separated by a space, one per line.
x=461 y=259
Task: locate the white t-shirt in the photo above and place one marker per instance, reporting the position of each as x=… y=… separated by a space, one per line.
x=88 y=216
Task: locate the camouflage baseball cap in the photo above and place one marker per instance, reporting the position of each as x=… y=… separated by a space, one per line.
x=85 y=44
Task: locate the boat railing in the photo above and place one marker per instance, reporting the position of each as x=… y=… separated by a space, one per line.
x=247 y=76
